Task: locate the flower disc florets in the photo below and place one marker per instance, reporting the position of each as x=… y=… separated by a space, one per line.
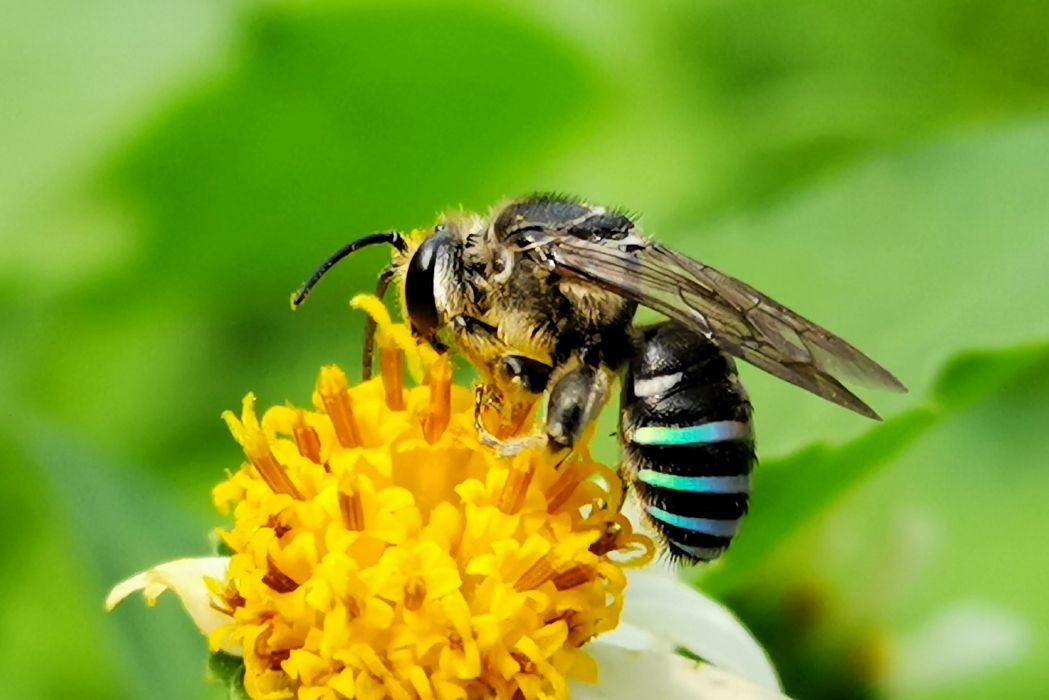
x=381 y=551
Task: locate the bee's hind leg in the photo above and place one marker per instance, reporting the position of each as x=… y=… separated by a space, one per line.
x=576 y=397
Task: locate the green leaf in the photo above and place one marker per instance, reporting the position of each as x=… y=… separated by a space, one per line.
x=790 y=492
x=228 y=670
x=973 y=375
x=334 y=120
x=958 y=523
x=789 y=94
x=119 y=521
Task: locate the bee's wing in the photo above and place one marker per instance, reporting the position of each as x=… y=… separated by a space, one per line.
x=732 y=314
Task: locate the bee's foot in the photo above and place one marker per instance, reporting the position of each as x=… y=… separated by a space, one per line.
x=513 y=446
x=485 y=437
x=485 y=397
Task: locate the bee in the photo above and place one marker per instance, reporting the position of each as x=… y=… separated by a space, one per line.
x=540 y=297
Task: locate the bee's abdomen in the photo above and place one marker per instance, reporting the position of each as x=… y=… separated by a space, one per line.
x=688 y=445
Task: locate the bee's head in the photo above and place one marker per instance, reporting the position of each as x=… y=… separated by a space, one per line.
x=428 y=268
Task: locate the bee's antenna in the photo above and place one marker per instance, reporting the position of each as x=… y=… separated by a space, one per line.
x=393 y=238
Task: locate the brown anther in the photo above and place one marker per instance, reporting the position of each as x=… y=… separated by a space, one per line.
x=335 y=396
x=272 y=472
x=608 y=541
x=277 y=579
x=231 y=600
x=526 y=664
x=352 y=509
x=277 y=658
x=512 y=496
x=279 y=528
x=455 y=641
x=220 y=608
x=576 y=576
x=536 y=575
x=414 y=593
x=262 y=642
x=578 y=634
x=439 y=413
x=353 y=608
x=235 y=600
x=391 y=364
x=562 y=489
x=307 y=440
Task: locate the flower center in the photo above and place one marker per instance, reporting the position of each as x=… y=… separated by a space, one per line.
x=380 y=551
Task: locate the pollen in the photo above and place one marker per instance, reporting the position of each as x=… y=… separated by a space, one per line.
x=381 y=551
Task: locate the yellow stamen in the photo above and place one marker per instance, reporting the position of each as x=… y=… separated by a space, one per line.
x=439 y=380
x=391 y=363
x=536 y=575
x=419 y=563
x=307 y=440
x=576 y=576
x=272 y=472
x=562 y=489
x=351 y=508
x=418 y=356
x=517 y=483
x=332 y=387
x=414 y=593
x=277 y=579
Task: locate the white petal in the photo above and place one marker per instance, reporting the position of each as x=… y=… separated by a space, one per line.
x=681 y=615
x=632 y=672
x=186 y=578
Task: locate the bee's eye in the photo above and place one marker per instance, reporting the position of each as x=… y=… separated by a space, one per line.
x=419 y=292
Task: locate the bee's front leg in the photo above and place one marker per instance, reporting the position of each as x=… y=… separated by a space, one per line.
x=577 y=395
x=519 y=381
x=486 y=396
x=504 y=447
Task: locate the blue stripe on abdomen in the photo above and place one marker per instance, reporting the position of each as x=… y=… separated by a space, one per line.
x=695 y=484
x=705 y=526
x=718 y=431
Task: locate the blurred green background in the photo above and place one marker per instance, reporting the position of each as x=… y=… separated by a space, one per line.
x=173 y=170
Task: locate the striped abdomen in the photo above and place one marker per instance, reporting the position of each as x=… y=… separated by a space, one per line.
x=688 y=446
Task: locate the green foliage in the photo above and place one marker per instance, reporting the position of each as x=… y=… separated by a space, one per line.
x=228 y=671
x=181 y=168
x=791 y=491
x=337 y=119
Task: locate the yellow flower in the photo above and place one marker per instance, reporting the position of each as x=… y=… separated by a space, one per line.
x=380 y=551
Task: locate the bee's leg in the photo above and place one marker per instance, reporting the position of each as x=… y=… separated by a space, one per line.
x=528 y=373
x=507 y=368
x=528 y=376
x=485 y=395
x=576 y=397
x=383 y=283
